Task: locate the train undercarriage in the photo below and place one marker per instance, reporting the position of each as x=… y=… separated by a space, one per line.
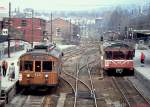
x=119 y=72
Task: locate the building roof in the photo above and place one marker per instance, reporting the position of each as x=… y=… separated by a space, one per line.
x=3 y=38
x=145 y=32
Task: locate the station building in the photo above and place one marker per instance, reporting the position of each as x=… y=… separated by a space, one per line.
x=62 y=30
x=142 y=35
x=32 y=28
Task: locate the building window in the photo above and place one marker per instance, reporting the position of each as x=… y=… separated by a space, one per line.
x=58 y=31
x=23 y=23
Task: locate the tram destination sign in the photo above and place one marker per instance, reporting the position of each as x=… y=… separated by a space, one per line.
x=40 y=57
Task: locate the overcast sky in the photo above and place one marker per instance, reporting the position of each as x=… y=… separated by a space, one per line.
x=49 y=5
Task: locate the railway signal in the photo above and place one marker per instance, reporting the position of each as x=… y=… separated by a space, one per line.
x=102 y=38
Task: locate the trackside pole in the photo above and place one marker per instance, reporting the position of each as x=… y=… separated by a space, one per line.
x=0 y=80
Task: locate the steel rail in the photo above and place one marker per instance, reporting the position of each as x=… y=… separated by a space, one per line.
x=34 y=101
x=23 y=103
x=66 y=57
x=136 y=90
x=141 y=94
x=123 y=95
x=74 y=50
x=92 y=85
x=78 y=79
x=68 y=83
x=76 y=85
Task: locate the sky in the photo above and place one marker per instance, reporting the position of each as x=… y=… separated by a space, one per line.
x=51 y=5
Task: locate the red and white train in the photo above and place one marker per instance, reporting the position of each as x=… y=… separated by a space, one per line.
x=118 y=59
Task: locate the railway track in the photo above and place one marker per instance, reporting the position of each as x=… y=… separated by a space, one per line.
x=92 y=86
x=34 y=98
x=80 y=92
x=81 y=89
x=74 y=82
x=130 y=95
x=34 y=101
x=86 y=92
x=73 y=52
x=89 y=81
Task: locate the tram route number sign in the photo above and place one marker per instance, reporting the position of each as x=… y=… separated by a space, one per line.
x=37 y=74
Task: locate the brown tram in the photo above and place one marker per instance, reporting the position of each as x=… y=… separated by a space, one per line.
x=40 y=66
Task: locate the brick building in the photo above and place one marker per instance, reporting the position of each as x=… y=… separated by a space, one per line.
x=62 y=29
x=25 y=25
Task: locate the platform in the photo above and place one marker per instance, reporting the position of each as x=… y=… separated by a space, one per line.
x=142 y=72
x=2 y=103
x=8 y=88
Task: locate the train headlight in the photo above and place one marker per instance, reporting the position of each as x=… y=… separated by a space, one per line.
x=106 y=63
x=28 y=75
x=46 y=76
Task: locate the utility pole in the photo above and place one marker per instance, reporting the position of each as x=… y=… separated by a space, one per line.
x=9 y=20
x=32 y=28
x=51 y=27
x=70 y=30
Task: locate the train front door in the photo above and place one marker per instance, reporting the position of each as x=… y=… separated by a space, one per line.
x=38 y=77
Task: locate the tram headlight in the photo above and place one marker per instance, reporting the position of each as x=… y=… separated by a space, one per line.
x=28 y=75
x=46 y=76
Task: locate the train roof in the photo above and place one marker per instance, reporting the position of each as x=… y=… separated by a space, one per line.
x=51 y=50
x=117 y=45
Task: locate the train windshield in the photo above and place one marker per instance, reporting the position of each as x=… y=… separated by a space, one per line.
x=28 y=65
x=47 y=66
x=119 y=54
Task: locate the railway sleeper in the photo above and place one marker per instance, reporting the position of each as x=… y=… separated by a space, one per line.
x=85 y=95
x=3 y=96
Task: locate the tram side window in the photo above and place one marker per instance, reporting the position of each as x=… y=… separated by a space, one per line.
x=28 y=65
x=37 y=66
x=47 y=66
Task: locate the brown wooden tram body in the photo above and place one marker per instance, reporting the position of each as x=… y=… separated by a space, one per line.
x=40 y=67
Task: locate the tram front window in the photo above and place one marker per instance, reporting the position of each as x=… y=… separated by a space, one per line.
x=118 y=55
x=37 y=66
x=28 y=65
x=47 y=66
